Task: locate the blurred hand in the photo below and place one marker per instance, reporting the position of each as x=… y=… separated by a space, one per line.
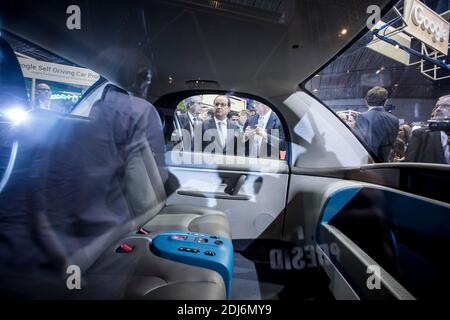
x=261 y=132
x=249 y=133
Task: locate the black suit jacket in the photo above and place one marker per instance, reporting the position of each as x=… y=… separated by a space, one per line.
x=188 y=131
x=185 y=122
x=210 y=137
x=273 y=124
x=425 y=146
x=379 y=129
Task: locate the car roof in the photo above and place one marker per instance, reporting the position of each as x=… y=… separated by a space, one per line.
x=266 y=49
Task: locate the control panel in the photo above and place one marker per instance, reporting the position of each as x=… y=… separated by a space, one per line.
x=198 y=249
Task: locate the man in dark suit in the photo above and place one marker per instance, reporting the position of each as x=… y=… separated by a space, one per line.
x=264 y=133
x=431 y=146
x=220 y=135
x=190 y=121
x=377 y=127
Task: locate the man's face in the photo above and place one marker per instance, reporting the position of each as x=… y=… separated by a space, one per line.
x=351 y=121
x=242 y=119
x=343 y=117
x=43 y=91
x=221 y=107
x=260 y=108
x=442 y=110
x=235 y=119
x=195 y=105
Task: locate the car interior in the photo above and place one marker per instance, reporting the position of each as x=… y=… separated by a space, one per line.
x=110 y=187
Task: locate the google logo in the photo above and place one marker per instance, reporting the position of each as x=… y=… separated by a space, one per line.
x=437 y=28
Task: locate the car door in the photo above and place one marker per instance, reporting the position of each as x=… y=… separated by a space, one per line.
x=378 y=230
x=251 y=191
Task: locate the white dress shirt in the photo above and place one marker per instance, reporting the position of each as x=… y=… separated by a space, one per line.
x=191 y=118
x=192 y=123
x=255 y=147
x=222 y=130
x=263 y=120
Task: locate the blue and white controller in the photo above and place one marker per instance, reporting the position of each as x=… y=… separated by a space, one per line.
x=197 y=249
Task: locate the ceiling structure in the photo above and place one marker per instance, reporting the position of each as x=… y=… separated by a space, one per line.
x=25 y=49
x=360 y=68
x=265 y=48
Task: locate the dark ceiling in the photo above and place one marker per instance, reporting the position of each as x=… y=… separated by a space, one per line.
x=33 y=51
x=360 y=68
x=261 y=47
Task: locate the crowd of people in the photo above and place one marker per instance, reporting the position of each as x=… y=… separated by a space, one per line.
x=195 y=112
x=254 y=132
x=391 y=142
x=260 y=133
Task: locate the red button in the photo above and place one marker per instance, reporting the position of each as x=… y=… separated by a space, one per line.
x=126 y=247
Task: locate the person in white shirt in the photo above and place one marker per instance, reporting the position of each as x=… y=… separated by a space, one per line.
x=189 y=122
x=264 y=133
x=219 y=133
x=194 y=108
x=43 y=96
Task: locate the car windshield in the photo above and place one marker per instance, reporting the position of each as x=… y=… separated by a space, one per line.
x=52 y=82
x=391 y=89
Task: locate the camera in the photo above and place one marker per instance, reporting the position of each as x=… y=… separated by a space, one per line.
x=439 y=125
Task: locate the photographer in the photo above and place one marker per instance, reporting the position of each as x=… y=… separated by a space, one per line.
x=429 y=145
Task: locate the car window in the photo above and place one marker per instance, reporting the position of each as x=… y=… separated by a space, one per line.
x=52 y=82
x=84 y=106
x=318 y=140
x=229 y=125
x=395 y=102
